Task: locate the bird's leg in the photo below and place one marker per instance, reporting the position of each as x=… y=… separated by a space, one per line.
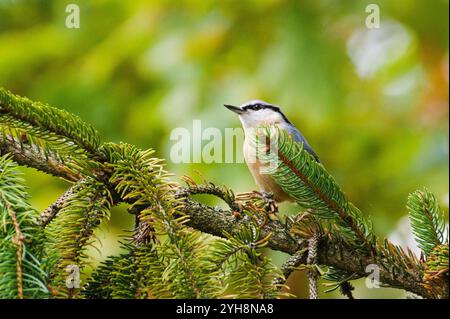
x=262 y=200
x=268 y=200
x=271 y=204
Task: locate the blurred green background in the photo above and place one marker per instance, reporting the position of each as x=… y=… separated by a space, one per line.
x=373 y=103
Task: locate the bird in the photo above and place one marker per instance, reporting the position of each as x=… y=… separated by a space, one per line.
x=252 y=115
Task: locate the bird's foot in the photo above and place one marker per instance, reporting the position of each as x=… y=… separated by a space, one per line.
x=263 y=200
x=270 y=203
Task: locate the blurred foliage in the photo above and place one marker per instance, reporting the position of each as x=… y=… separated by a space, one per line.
x=372 y=103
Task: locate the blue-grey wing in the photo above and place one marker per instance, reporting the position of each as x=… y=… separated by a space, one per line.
x=298 y=137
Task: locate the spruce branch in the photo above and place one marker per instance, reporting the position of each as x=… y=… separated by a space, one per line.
x=397 y=268
x=291 y=264
x=123 y=173
x=311 y=260
x=30 y=156
x=18 y=240
x=51 y=211
x=307 y=181
x=334 y=252
x=115 y=278
x=254 y=276
x=21 y=275
x=140 y=179
x=427 y=220
x=437 y=271
x=50 y=118
x=227 y=195
x=69 y=234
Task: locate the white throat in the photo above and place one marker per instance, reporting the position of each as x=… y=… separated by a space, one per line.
x=253 y=119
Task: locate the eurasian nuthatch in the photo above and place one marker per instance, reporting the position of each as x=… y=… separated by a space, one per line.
x=253 y=114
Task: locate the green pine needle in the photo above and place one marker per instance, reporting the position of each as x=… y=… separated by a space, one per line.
x=72 y=231
x=52 y=119
x=21 y=273
x=427 y=220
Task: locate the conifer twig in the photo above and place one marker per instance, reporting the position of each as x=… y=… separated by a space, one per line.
x=311 y=260
x=27 y=155
x=18 y=239
x=53 y=209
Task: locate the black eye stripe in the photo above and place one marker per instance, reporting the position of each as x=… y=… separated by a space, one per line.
x=256 y=107
x=253 y=107
x=259 y=106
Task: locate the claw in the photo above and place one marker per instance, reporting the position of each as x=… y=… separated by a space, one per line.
x=271 y=204
x=264 y=201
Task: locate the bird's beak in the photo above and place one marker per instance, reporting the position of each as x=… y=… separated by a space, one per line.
x=235 y=109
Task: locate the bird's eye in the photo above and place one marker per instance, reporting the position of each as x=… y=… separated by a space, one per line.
x=257 y=107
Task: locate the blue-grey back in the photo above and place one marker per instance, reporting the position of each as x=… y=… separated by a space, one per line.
x=298 y=137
